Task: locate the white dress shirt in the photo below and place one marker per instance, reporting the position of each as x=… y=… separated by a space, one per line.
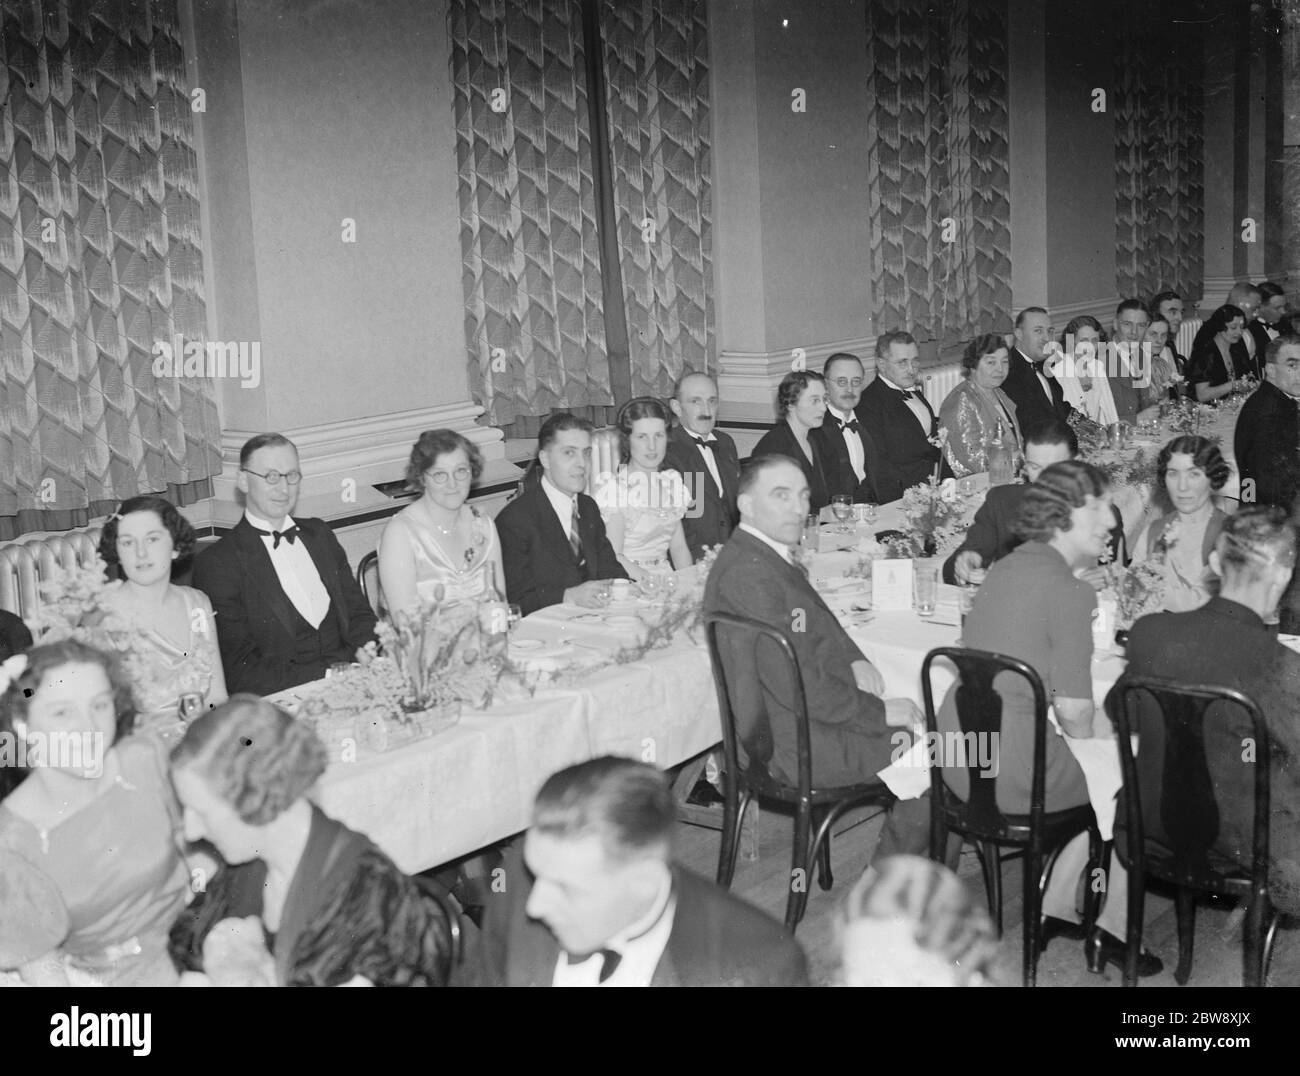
x=782 y=550
x=562 y=502
x=297 y=572
x=641 y=945
x=923 y=414
x=857 y=457
x=1273 y=334
x=710 y=460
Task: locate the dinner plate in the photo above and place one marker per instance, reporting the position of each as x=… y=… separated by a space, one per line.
x=526 y=644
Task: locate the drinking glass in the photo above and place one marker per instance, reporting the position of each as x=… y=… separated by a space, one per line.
x=842 y=506
x=869 y=511
x=927 y=590
x=649 y=585
x=514 y=614
x=811 y=535
x=966 y=486
x=966 y=601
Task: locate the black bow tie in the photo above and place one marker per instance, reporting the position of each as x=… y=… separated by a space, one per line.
x=290 y=536
x=852 y=424
x=911 y=394
x=1038 y=366
x=705 y=442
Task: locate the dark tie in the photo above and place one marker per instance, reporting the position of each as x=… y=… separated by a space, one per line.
x=705 y=442
x=575 y=538
x=290 y=536
x=912 y=394
x=852 y=424
x=1038 y=366
x=612 y=959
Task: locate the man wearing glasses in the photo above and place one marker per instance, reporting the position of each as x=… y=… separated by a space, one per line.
x=287 y=604
x=843 y=439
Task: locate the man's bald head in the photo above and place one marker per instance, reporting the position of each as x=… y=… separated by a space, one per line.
x=1246 y=296
x=695 y=403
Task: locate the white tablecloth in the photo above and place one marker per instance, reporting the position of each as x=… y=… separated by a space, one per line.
x=474 y=784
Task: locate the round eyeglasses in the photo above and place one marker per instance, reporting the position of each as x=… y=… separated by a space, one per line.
x=272 y=478
x=441 y=478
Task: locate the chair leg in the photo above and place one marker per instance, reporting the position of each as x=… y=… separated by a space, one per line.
x=1033 y=901
x=1273 y=920
x=798 y=882
x=1185 y=907
x=991 y=865
x=824 y=877
x=733 y=817
x=1254 y=932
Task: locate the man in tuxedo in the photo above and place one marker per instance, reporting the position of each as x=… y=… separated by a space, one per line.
x=1266 y=325
x=1037 y=394
x=854 y=732
x=706 y=458
x=1225 y=641
x=900 y=418
x=993 y=533
x=850 y=451
x=1245 y=359
x=1169 y=305
x=1267 y=437
x=286 y=602
x=598 y=901
x=553 y=543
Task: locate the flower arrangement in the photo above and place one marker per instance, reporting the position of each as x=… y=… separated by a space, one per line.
x=933 y=512
x=1137 y=471
x=1138 y=590
x=1090 y=434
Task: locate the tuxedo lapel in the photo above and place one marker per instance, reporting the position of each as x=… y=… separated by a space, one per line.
x=266 y=584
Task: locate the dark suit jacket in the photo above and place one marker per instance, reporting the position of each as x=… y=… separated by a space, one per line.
x=1267 y=446
x=711 y=518
x=906 y=456
x=1225 y=643
x=1026 y=392
x=535 y=551
x=993 y=534
x=14 y=636
x=1260 y=335
x=717 y=940
x=255 y=618
x=849 y=738
x=780 y=440
x=840 y=476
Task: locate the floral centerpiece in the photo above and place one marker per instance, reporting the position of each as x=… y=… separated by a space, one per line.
x=933 y=512
x=1091 y=435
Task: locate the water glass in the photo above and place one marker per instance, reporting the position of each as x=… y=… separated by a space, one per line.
x=869 y=512
x=842 y=507
x=649 y=584
x=811 y=535
x=966 y=486
x=926 y=585
x=966 y=602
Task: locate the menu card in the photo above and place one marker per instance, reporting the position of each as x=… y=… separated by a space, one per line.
x=891 y=585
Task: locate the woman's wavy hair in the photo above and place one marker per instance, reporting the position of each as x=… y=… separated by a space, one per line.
x=984 y=344
x=944 y=918
x=792 y=387
x=1082 y=321
x=15 y=701
x=253 y=755
x=183 y=535
x=433 y=444
x=1205 y=455
x=638 y=408
x=1060 y=489
x=1218 y=321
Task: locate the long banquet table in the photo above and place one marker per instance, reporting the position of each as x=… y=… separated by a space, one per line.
x=473 y=784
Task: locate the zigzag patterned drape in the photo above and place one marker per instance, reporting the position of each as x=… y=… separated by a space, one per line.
x=656 y=70
x=534 y=324
x=533 y=320
x=939 y=194
x=1159 y=168
x=99 y=259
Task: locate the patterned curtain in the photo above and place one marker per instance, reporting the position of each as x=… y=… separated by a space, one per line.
x=533 y=320
x=99 y=259
x=657 y=78
x=939 y=195
x=1159 y=173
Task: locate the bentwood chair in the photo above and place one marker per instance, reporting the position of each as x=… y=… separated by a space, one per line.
x=747 y=753
x=1038 y=836
x=449 y=913
x=1171 y=814
x=368 y=579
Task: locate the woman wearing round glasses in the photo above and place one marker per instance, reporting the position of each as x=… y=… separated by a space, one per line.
x=439 y=541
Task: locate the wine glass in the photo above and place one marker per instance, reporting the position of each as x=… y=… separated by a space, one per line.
x=869 y=511
x=842 y=507
x=649 y=585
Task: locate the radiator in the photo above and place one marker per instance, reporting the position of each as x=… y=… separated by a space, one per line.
x=24 y=566
x=941 y=381
x=1186 y=334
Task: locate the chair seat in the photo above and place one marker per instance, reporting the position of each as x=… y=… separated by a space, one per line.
x=771 y=790
x=1017 y=826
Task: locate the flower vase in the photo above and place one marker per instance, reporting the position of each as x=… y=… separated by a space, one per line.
x=382 y=732
x=929 y=546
